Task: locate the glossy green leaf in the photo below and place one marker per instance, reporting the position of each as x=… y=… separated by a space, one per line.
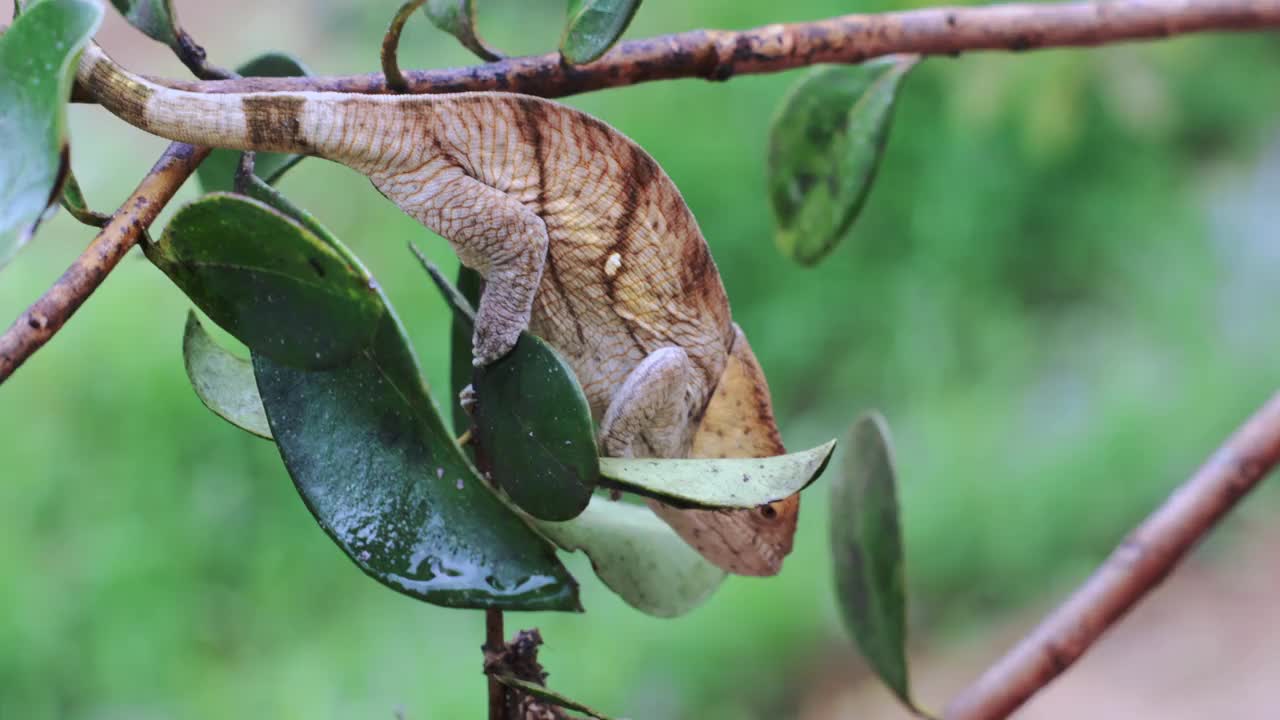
x=222 y=381
x=638 y=556
x=721 y=482
x=269 y=281
x=866 y=544
x=218 y=171
x=543 y=693
x=155 y=18
x=534 y=425
x=469 y=284
x=37 y=66
x=458 y=18
x=824 y=149
x=370 y=455
x=593 y=26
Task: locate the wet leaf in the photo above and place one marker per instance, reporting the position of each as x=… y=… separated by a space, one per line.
x=593 y=26
x=218 y=171
x=371 y=457
x=866 y=544
x=824 y=149
x=222 y=381
x=638 y=557
x=721 y=482
x=534 y=425
x=269 y=281
x=37 y=67
x=155 y=18
x=458 y=18
x=551 y=696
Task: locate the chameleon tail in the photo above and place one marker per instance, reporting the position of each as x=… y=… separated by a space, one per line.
x=739 y=423
x=305 y=123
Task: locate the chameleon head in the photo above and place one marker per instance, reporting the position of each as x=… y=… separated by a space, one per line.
x=751 y=541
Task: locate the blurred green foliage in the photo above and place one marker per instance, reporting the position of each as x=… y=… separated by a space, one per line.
x=1060 y=293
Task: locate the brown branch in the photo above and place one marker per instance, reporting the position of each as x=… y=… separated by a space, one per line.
x=1135 y=568
x=719 y=55
x=47 y=315
x=494 y=642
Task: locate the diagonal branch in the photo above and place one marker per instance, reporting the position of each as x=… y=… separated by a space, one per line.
x=721 y=54
x=1135 y=568
x=47 y=315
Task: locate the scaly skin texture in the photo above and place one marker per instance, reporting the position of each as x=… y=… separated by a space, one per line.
x=581 y=238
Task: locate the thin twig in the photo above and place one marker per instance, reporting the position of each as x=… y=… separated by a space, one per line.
x=193 y=55
x=494 y=640
x=719 y=55
x=47 y=315
x=1135 y=568
x=391 y=45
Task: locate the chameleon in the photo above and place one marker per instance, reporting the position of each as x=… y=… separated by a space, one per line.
x=581 y=238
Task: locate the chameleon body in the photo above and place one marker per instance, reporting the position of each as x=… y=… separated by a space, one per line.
x=581 y=238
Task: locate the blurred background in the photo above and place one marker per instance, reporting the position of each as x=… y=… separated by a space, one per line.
x=1062 y=295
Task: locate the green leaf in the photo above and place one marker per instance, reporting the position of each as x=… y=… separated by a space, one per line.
x=37 y=68
x=866 y=544
x=534 y=425
x=223 y=382
x=638 y=557
x=546 y=695
x=269 y=281
x=593 y=27
x=468 y=284
x=824 y=149
x=371 y=457
x=458 y=18
x=218 y=171
x=155 y=18
x=74 y=202
x=721 y=482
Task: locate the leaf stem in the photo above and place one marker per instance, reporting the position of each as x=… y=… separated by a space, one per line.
x=391 y=43
x=494 y=641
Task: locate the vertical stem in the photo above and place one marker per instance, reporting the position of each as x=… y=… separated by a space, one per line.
x=494 y=640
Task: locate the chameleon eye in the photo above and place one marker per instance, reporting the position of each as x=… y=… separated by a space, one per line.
x=768 y=512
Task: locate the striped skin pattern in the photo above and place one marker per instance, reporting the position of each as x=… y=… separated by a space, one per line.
x=581 y=238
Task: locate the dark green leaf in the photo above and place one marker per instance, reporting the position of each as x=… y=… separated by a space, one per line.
x=155 y=18
x=824 y=149
x=218 y=171
x=458 y=18
x=534 y=425
x=37 y=67
x=551 y=696
x=371 y=457
x=223 y=382
x=723 y=482
x=866 y=543
x=272 y=283
x=593 y=27
x=469 y=284
x=638 y=557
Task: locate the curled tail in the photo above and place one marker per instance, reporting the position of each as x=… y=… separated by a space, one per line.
x=739 y=423
x=304 y=123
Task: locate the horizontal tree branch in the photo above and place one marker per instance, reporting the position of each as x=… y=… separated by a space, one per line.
x=720 y=54
x=1135 y=568
x=47 y=315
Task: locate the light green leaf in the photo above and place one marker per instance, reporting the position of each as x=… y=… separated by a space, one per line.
x=218 y=171
x=638 y=557
x=593 y=26
x=222 y=381
x=718 y=483
x=458 y=18
x=824 y=149
x=269 y=281
x=551 y=696
x=866 y=544
x=37 y=67
x=73 y=201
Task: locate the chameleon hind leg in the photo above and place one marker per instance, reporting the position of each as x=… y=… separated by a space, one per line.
x=649 y=415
